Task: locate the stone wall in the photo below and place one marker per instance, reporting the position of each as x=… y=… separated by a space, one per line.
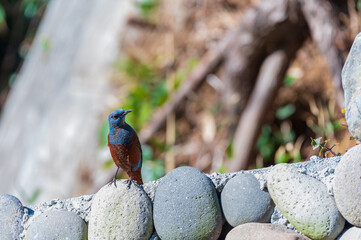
x=312 y=198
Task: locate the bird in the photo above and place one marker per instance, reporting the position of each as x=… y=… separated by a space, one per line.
x=124 y=146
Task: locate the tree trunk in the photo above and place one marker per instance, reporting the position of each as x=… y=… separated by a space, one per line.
x=49 y=127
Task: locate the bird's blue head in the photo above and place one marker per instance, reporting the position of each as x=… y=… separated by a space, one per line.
x=117 y=117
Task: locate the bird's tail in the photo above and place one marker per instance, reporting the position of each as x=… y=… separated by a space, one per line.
x=137 y=176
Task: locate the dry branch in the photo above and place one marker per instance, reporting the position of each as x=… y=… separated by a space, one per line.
x=262 y=29
x=325 y=31
x=269 y=27
x=207 y=65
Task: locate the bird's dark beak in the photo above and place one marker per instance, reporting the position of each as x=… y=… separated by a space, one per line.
x=126 y=112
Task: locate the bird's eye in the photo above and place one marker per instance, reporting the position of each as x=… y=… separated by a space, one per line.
x=116 y=116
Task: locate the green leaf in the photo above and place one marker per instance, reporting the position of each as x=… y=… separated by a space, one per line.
x=297 y=158
x=2 y=15
x=229 y=150
x=146 y=7
x=30 y=10
x=285 y=111
x=282 y=158
x=34 y=196
x=222 y=169
x=289 y=80
x=108 y=164
x=45 y=44
x=336 y=126
x=316 y=143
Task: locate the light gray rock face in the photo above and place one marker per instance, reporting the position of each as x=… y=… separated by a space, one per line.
x=353 y=233
x=347 y=186
x=243 y=201
x=186 y=206
x=263 y=231
x=351 y=82
x=305 y=202
x=57 y=225
x=11 y=214
x=121 y=213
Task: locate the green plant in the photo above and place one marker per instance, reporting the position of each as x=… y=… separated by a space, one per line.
x=2 y=16
x=146 y=7
x=152 y=168
x=31 y=7
x=289 y=80
x=316 y=143
x=280 y=145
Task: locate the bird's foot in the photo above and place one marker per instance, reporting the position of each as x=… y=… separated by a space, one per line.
x=113 y=181
x=129 y=183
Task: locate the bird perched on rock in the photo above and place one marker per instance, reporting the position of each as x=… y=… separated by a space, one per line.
x=124 y=146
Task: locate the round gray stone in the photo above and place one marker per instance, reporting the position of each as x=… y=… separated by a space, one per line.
x=11 y=214
x=305 y=202
x=263 y=231
x=347 y=186
x=353 y=233
x=121 y=213
x=186 y=206
x=54 y=224
x=243 y=201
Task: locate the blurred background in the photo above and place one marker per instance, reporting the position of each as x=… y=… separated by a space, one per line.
x=219 y=85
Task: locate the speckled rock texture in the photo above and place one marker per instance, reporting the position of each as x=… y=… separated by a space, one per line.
x=55 y=224
x=121 y=213
x=351 y=83
x=11 y=214
x=263 y=231
x=347 y=186
x=186 y=206
x=243 y=201
x=353 y=233
x=321 y=169
x=305 y=202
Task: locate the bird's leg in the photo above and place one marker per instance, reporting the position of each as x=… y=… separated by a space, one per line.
x=130 y=178
x=115 y=178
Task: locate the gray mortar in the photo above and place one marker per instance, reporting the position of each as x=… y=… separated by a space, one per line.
x=320 y=168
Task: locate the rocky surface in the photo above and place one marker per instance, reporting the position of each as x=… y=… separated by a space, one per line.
x=347 y=186
x=353 y=233
x=243 y=201
x=351 y=82
x=11 y=214
x=121 y=212
x=318 y=168
x=186 y=206
x=55 y=224
x=305 y=202
x=263 y=231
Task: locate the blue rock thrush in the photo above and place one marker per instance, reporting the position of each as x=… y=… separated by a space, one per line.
x=124 y=146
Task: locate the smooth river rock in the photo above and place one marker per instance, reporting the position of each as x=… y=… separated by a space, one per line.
x=347 y=186
x=11 y=214
x=243 y=201
x=353 y=233
x=56 y=224
x=121 y=213
x=351 y=83
x=186 y=206
x=305 y=202
x=263 y=231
